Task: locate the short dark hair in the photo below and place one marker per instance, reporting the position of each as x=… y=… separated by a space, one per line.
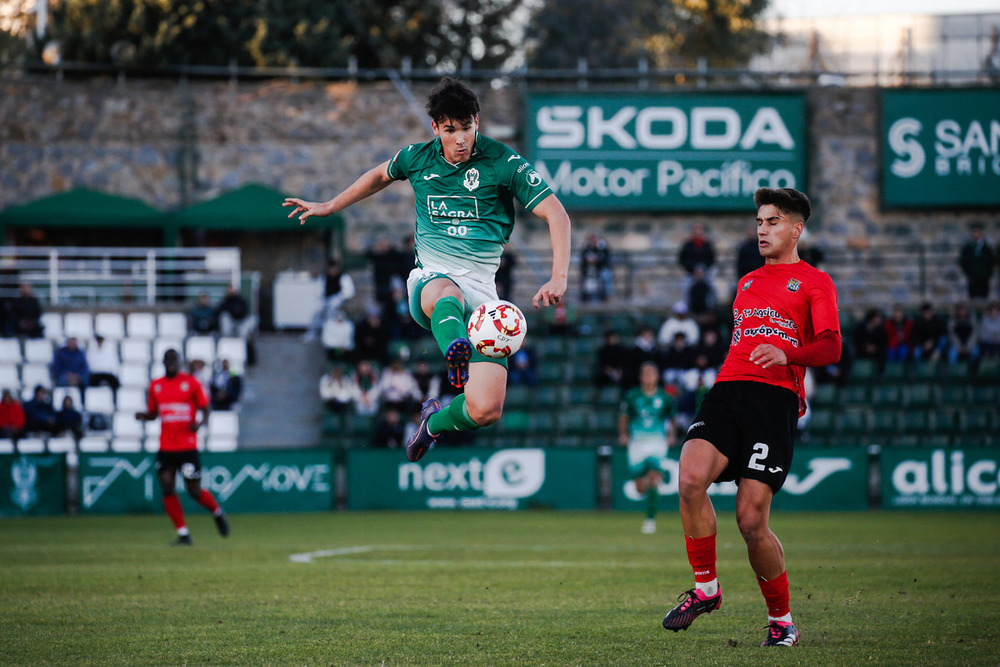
x=788 y=200
x=451 y=99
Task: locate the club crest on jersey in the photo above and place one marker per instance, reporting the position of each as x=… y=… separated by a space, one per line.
x=534 y=180
x=746 y=285
x=471 y=179
x=793 y=284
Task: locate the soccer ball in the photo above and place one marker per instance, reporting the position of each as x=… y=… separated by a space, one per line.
x=497 y=329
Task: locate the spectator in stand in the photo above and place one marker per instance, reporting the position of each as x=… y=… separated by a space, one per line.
x=226 y=386
x=371 y=337
x=69 y=365
x=563 y=322
x=644 y=349
x=102 y=360
x=26 y=313
x=963 y=336
x=39 y=415
x=389 y=265
x=899 y=335
x=989 y=331
x=338 y=390
x=367 y=401
x=202 y=320
x=929 y=335
x=11 y=416
x=712 y=347
x=233 y=313
x=748 y=257
x=612 y=358
x=338 y=287
x=523 y=367
x=428 y=381
x=677 y=359
x=679 y=321
x=338 y=338
x=870 y=340
x=595 y=269
x=69 y=419
x=701 y=297
x=976 y=261
x=694 y=383
x=390 y=430
x=697 y=251
x=505 y=275
x=201 y=372
x=401 y=325
x=398 y=389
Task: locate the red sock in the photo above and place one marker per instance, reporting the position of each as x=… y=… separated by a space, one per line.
x=776 y=595
x=701 y=556
x=207 y=500
x=172 y=504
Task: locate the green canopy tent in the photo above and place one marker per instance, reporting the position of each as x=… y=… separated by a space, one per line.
x=84 y=208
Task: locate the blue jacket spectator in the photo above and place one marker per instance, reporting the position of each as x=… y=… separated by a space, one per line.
x=69 y=365
x=69 y=419
x=39 y=415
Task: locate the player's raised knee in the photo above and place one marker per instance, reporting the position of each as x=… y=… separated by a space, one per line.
x=484 y=412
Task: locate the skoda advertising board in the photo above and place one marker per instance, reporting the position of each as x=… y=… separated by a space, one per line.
x=940 y=148
x=472 y=478
x=666 y=152
x=32 y=485
x=924 y=478
x=242 y=482
x=820 y=479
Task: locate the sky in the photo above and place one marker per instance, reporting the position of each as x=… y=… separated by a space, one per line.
x=815 y=8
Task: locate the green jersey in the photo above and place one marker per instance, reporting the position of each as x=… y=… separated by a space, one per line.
x=647 y=415
x=465 y=212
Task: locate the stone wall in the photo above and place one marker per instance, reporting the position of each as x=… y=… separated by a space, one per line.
x=173 y=143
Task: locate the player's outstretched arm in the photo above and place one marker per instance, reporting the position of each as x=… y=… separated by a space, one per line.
x=372 y=181
x=552 y=212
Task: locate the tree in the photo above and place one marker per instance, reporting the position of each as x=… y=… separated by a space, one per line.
x=668 y=34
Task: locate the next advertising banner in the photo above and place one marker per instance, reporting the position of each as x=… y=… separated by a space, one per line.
x=269 y=481
x=32 y=485
x=834 y=478
x=940 y=478
x=666 y=152
x=472 y=478
x=940 y=147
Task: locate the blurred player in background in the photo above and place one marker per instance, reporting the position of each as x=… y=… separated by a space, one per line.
x=646 y=428
x=785 y=318
x=176 y=399
x=465 y=185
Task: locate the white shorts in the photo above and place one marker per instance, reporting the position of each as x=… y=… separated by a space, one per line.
x=641 y=452
x=474 y=291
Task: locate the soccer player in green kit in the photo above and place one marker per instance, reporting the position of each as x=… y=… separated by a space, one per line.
x=465 y=185
x=645 y=426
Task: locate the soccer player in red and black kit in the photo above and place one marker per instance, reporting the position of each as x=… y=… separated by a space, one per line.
x=176 y=399
x=785 y=318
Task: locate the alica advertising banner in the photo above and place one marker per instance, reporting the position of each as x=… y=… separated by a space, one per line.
x=666 y=152
x=940 y=478
x=820 y=479
x=472 y=478
x=272 y=481
x=940 y=148
x=32 y=485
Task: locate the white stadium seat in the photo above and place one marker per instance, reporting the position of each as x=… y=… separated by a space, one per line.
x=125 y=425
x=153 y=429
x=6 y=446
x=234 y=349
x=223 y=424
x=137 y=350
x=134 y=375
x=126 y=445
x=38 y=351
x=30 y=446
x=35 y=374
x=219 y=444
x=53 y=323
x=171 y=325
x=9 y=377
x=61 y=445
x=151 y=445
x=79 y=326
x=141 y=325
x=200 y=347
x=110 y=325
x=130 y=399
x=10 y=351
x=99 y=400
x=59 y=393
x=161 y=345
x=93 y=444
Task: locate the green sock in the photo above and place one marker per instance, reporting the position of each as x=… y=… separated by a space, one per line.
x=652 y=499
x=453 y=418
x=448 y=322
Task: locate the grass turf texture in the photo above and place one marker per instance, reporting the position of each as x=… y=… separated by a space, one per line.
x=527 y=588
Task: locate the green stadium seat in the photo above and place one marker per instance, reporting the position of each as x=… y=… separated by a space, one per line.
x=884 y=422
x=884 y=395
x=543 y=422
x=515 y=422
x=854 y=394
x=550 y=347
x=552 y=371
x=905 y=440
x=977 y=421
x=957 y=371
x=821 y=422
x=945 y=419
x=567 y=441
x=895 y=371
x=576 y=420
x=518 y=396
x=853 y=421
x=935 y=440
x=825 y=395
x=955 y=395
x=916 y=422
x=984 y=395
x=988 y=371
x=609 y=395
x=865 y=371
x=549 y=396
x=580 y=394
x=919 y=395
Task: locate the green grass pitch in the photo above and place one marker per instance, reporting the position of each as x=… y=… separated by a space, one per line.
x=484 y=588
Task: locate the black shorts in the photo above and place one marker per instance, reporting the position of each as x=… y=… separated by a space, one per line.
x=188 y=462
x=753 y=425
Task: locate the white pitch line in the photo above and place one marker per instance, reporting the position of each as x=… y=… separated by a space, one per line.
x=308 y=556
